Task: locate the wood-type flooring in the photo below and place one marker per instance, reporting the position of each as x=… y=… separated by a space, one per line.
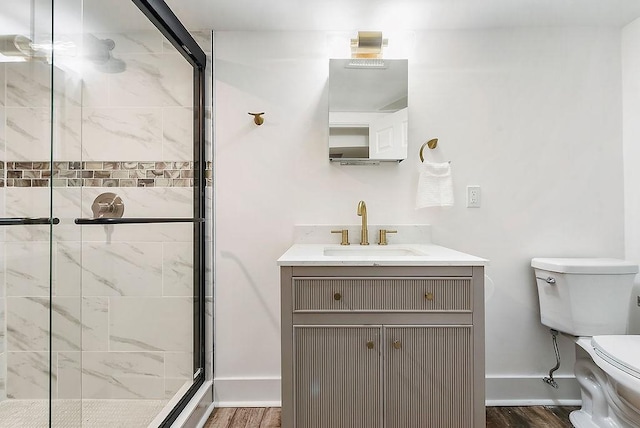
x=497 y=417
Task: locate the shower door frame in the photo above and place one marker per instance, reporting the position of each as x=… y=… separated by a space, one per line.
x=170 y=26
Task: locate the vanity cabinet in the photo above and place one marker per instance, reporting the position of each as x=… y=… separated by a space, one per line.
x=337 y=376
x=382 y=346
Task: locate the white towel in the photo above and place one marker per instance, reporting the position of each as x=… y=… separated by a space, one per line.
x=435 y=185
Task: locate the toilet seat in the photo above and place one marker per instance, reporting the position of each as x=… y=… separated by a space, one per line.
x=621 y=351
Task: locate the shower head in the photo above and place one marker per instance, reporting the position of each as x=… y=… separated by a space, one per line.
x=98 y=51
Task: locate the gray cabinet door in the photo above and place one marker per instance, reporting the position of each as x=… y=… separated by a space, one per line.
x=428 y=376
x=337 y=376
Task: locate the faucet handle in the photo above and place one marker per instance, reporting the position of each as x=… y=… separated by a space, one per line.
x=383 y=236
x=345 y=236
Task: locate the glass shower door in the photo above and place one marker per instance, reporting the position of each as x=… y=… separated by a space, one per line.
x=126 y=187
x=101 y=215
x=26 y=246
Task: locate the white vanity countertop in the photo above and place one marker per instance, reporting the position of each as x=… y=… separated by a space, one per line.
x=376 y=255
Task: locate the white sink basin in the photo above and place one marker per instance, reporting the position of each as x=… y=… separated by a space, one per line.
x=371 y=251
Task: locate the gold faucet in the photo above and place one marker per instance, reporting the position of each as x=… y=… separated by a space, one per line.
x=364 y=235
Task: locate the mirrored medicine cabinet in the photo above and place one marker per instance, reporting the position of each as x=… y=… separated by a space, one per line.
x=368 y=120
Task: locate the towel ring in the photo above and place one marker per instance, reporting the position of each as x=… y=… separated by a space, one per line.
x=432 y=144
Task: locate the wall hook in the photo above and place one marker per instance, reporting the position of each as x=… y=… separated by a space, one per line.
x=257 y=118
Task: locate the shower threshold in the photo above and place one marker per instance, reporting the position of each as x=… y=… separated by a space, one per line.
x=87 y=413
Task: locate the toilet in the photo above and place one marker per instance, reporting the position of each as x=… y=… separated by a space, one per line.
x=589 y=299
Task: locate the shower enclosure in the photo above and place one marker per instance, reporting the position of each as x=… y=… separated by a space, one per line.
x=105 y=190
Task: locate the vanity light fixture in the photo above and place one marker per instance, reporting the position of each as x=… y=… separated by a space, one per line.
x=368 y=45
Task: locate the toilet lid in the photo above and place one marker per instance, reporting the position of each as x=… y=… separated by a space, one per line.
x=592 y=266
x=621 y=351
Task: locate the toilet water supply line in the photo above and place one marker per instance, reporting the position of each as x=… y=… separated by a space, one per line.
x=549 y=380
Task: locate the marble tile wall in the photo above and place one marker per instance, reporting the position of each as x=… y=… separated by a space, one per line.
x=121 y=295
x=121 y=299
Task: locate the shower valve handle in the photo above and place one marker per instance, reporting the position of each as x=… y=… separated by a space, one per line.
x=108 y=205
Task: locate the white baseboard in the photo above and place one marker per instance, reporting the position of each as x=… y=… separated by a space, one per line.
x=247 y=392
x=531 y=391
x=500 y=391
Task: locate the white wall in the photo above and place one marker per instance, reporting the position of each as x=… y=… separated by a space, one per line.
x=531 y=115
x=631 y=134
x=631 y=150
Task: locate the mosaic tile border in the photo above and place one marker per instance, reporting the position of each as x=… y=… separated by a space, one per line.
x=100 y=174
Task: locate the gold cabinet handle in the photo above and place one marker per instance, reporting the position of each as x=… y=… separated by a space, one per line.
x=429 y=296
x=345 y=236
x=397 y=344
x=337 y=296
x=370 y=344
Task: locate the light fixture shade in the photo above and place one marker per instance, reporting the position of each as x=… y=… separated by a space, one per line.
x=369 y=44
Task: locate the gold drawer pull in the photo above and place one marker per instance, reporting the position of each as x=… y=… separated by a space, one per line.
x=429 y=296
x=397 y=344
x=337 y=296
x=370 y=344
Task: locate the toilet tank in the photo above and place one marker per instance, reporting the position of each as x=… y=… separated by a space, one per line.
x=584 y=296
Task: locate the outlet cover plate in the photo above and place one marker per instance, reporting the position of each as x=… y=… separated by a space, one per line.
x=473 y=196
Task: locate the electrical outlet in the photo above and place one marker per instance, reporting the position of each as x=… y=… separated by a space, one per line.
x=473 y=196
